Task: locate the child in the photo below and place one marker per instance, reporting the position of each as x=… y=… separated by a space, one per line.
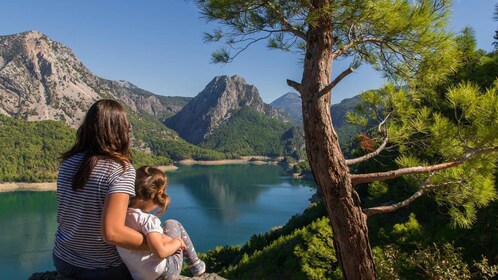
x=168 y=245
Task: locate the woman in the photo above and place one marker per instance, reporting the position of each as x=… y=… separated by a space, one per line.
x=94 y=185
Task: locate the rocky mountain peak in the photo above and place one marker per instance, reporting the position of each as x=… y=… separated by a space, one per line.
x=41 y=79
x=291 y=104
x=231 y=93
x=290 y=97
x=214 y=105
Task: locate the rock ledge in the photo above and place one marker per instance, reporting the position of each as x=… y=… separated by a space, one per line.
x=52 y=275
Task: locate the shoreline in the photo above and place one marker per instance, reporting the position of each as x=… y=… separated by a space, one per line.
x=52 y=186
x=255 y=160
x=20 y=186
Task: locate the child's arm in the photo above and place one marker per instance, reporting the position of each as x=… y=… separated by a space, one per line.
x=161 y=248
x=114 y=230
x=167 y=239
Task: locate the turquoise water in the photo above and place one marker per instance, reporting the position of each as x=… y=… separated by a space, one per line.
x=218 y=205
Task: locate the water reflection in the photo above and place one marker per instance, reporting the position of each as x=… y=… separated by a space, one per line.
x=226 y=189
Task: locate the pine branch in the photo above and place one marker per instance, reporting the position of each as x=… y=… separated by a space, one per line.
x=354 y=43
x=284 y=22
x=382 y=176
x=240 y=50
x=337 y=79
x=396 y=206
x=297 y=86
x=368 y=156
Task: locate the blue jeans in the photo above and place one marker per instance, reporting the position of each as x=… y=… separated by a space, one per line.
x=71 y=271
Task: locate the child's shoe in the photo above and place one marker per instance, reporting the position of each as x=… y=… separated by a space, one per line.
x=198 y=268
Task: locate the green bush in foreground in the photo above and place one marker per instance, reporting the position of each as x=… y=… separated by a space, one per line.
x=302 y=249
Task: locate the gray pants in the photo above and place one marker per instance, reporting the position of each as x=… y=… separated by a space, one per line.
x=174 y=263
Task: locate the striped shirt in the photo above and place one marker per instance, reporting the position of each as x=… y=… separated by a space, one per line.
x=78 y=239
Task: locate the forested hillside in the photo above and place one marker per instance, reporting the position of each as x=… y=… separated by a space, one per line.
x=30 y=151
x=249 y=132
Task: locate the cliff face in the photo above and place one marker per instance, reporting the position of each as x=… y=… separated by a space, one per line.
x=41 y=79
x=216 y=104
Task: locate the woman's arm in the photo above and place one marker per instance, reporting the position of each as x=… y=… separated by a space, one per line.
x=163 y=249
x=114 y=230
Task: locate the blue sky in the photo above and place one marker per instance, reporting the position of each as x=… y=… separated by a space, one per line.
x=157 y=44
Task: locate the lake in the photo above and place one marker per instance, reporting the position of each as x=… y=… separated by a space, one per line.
x=218 y=205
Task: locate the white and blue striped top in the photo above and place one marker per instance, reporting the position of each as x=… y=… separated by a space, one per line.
x=78 y=239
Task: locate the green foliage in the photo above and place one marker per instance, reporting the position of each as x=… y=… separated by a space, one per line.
x=377 y=189
x=463 y=116
x=439 y=263
x=249 y=132
x=408 y=234
x=301 y=249
x=302 y=166
x=306 y=253
x=426 y=135
x=486 y=271
x=475 y=65
x=431 y=262
x=407 y=231
x=141 y=158
x=29 y=151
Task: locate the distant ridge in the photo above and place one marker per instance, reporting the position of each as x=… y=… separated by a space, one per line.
x=290 y=103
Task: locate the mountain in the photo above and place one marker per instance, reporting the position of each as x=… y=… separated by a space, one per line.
x=215 y=105
x=345 y=131
x=290 y=103
x=41 y=79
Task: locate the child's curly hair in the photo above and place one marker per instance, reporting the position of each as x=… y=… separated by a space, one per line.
x=149 y=185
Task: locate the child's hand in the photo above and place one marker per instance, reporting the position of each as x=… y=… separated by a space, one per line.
x=182 y=246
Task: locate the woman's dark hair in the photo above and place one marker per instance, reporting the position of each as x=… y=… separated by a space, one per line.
x=149 y=184
x=104 y=134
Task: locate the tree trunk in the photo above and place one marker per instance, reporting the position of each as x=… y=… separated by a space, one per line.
x=327 y=162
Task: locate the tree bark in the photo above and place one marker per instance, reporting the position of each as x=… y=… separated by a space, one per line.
x=326 y=159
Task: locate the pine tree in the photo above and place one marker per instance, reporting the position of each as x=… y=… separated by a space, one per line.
x=406 y=40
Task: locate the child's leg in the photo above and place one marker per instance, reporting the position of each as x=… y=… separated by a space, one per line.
x=174 y=229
